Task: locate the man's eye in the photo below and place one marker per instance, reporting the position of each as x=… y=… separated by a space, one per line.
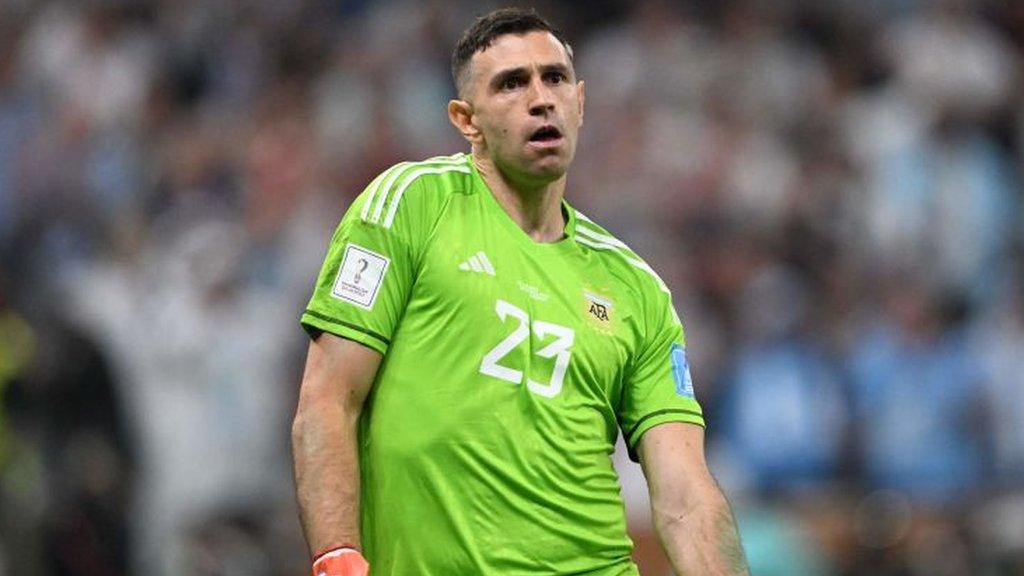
x=511 y=83
x=555 y=77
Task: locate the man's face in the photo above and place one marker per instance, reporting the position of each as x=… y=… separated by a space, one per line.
x=527 y=106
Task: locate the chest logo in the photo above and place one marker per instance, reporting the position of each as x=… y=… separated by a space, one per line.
x=598 y=308
x=478 y=263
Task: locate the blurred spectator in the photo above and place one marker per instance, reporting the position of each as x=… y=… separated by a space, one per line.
x=19 y=534
x=945 y=198
x=69 y=460
x=784 y=382
x=207 y=355
x=948 y=57
x=998 y=341
x=917 y=389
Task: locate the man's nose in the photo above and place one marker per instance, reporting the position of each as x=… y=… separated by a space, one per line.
x=542 y=99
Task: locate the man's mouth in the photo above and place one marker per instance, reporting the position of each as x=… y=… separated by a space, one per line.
x=546 y=134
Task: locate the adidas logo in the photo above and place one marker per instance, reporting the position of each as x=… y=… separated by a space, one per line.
x=478 y=263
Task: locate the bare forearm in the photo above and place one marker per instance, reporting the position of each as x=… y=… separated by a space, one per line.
x=327 y=476
x=703 y=539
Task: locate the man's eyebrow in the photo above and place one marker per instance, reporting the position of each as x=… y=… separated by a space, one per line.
x=557 y=67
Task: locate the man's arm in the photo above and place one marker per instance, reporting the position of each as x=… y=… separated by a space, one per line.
x=690 y=512
x=337 y=378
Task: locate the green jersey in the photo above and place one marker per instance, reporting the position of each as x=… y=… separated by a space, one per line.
x=509 y=368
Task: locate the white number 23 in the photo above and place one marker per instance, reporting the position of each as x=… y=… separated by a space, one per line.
x=559 y=350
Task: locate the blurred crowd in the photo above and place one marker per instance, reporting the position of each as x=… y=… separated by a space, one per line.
x=831 y=189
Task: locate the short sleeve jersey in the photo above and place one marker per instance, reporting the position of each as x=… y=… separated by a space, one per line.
x=509 y=368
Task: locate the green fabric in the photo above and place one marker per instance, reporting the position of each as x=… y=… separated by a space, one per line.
x=485 y=442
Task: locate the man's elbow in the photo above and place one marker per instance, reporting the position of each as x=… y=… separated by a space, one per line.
x=299 y=423
x=668 y=515
x=699 y=497
x=317 y=415
x=302 y=427
x=309 y=415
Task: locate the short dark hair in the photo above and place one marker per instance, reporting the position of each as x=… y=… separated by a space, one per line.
x=489 y=27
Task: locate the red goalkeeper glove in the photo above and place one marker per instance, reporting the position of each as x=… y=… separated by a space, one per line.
x=341 y=562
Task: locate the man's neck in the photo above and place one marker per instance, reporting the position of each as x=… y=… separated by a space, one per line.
x=536 y=210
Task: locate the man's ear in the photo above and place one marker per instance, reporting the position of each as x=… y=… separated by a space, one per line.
x=460 y=114
x=581 y=97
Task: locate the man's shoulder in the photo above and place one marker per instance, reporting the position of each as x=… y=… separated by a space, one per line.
x=414 y=189
x=617 y=257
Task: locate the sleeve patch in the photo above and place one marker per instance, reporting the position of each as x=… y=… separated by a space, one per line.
x=360 y=276
x=681 y=371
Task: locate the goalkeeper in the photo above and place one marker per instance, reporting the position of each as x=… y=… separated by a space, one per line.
x=477 y=345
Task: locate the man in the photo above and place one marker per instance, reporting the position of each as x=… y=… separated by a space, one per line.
x=477 y=345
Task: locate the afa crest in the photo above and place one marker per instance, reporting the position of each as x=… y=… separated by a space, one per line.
x=599 y=310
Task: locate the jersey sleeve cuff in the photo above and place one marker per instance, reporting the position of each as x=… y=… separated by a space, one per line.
x=315 y=322
x=659 y=417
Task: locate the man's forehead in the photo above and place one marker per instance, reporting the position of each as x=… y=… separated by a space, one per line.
x=536 y=47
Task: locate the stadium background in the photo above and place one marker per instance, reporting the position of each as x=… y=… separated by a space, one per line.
x=832 y=190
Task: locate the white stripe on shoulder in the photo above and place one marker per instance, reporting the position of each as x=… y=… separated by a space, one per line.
x=584 y=239
x=601 y=237
x=410 y=178
x=387 y=180
x=588 y=239
x=583 y=216
x=457 y=160
x=375 y=187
